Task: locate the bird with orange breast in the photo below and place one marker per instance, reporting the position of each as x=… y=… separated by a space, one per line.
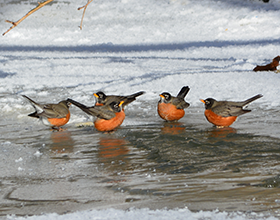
x=224 y=113
x=171 y=108
x=102 y=99
x=109 y=116
x=53 y=115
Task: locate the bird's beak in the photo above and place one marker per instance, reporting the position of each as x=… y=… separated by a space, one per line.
x=161 y=96
x=202 y=100
x=95 y=95
x=121 y=103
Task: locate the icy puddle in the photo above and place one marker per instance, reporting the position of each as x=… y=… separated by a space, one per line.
x=147 y=164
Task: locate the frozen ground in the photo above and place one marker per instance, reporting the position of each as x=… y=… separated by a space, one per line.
x=124 y=47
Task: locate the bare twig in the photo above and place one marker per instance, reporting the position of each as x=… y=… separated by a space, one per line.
x=85 y=8
x=40 y=5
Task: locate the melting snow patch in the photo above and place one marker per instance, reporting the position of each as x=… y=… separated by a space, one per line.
x=38 y=153
x=19 y=160
x=20 y=169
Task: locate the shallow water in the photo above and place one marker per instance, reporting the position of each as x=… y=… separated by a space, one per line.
x=145 y=163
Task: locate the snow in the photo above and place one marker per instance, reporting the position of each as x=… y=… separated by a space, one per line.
x=127 y=46
x=144 y=214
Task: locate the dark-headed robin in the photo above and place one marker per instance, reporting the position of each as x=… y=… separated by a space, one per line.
x=53 y=115
x=102 y=99
x=224 y=113
x=171 y=108
x=109 y=116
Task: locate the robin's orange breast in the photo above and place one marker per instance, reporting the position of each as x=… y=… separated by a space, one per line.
x=59 y=121
x=111 y=124
x=219 y=120
x=169 y=112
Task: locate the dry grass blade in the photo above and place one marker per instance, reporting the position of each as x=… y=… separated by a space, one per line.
x=40 y=5
x=85 y=8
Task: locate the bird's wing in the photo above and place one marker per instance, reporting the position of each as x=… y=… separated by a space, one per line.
x=180 y=103
x=102 y=112
x=54 y=111
x=229 y=109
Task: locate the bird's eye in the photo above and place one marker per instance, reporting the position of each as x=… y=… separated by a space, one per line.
x=207 y=102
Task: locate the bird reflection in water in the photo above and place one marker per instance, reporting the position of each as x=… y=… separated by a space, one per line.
x=62 y=142
x=112 y=154
x=221 y=132
x=112 y=148
x=172 y=128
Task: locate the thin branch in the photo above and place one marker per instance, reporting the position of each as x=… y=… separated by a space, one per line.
x=85 y=8
x=40 y=5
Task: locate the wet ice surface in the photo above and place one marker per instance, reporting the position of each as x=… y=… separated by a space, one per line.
x=146 y=163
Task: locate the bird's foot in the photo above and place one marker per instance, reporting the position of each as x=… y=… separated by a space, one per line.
x=221 y=126
x=58 y=129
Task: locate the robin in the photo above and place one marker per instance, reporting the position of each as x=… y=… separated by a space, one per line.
x=102 y=99
x=109 y=116
x=54 y=115
x=171 y=108
x=269 y=67
x=224 y=113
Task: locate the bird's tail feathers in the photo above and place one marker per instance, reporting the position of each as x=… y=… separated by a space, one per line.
x=76 y=103
x=81 y=106
x=183 y=92
x=136 y=94
x=36 y=106
x=246 y=102
x=34 y=115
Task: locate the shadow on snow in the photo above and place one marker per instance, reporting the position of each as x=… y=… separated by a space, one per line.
x=119 y=48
